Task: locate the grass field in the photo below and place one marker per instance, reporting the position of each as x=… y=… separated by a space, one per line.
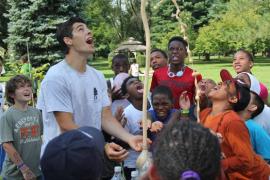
x=209 y=69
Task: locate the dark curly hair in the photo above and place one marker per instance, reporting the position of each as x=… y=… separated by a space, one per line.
x=185 y=145
x=14 y=84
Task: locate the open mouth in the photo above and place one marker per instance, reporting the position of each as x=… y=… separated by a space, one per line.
x=140 y=88
x=202 y=87
x=27 y=95
x=89 y=41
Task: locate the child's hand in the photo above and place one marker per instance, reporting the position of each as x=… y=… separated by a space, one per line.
x=27 y=173
x=184 y=101
x=156 y=126
x=149 y=122
x=116 y=94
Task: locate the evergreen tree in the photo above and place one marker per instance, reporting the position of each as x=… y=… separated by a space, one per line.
x=3 y=24
x=34 y=22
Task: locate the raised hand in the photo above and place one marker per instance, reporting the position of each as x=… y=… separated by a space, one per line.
x=184 y=101
x=156 y=126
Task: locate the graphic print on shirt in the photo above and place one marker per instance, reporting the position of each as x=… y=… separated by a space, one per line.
x=28 y=128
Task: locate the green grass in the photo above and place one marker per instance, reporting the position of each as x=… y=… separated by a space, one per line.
x=208 y=69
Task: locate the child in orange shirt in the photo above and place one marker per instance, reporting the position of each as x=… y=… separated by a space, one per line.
x=239 y=160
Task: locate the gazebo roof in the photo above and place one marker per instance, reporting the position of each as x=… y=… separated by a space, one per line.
x=131 y=45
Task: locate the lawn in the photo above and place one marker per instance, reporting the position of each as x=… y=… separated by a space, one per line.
x=208 y=69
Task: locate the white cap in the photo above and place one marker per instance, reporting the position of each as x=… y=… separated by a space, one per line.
x=134 y=174
x=117 y=169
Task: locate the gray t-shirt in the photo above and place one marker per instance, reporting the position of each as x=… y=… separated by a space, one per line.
x=66 y=90
x=24 y=130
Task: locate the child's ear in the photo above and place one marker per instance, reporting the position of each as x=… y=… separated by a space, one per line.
x=233 y=99
x=126 y=96
x=252 y=108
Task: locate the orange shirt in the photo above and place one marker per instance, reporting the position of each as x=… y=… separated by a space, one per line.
x=240 y=160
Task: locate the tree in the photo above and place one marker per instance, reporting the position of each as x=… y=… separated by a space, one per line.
x=3 y=24
x=164 y=24
x=34 y=22
x=113 y=22
x=242 y=26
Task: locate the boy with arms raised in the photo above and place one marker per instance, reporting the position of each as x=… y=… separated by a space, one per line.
x=20 y=132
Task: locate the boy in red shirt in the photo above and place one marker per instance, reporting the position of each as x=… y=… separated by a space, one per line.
x=239 y=160
x=177 y=76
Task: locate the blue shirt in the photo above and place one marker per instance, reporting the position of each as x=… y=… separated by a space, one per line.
x=259 y=138
x=153 y=114
x=164 y=121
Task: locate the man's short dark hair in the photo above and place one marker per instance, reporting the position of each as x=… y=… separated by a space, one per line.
x=14 y=84
x=65 y=30
x=178 y=38
x=161 y=51
x=257 y=100
x=162 y=90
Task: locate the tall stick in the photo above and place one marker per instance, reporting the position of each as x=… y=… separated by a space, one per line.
x=30 y=73
x=142 y=159
x=147 y=65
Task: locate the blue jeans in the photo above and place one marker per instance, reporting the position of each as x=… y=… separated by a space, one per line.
x=2 y=157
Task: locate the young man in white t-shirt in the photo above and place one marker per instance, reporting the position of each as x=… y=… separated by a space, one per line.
x=74 y=94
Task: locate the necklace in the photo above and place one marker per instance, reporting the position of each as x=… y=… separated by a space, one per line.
x=178 y=74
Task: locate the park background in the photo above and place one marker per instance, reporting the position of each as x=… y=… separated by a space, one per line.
x=215 y=28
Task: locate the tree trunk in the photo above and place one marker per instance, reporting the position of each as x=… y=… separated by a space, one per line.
x=207 y=56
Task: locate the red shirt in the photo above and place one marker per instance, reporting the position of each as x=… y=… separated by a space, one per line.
x=176 y=84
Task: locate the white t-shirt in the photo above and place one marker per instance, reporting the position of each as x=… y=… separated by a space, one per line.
x=134 y=70
x=263 y=119
x=134 y=116
x=66 y=90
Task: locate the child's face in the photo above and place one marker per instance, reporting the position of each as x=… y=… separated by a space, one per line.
x=241 y=62
x=222 y=91
x=135 y=88
x=162 y=105
x=23 y=93
x=177 y=53
x=206 y=85
x=157 y=60
x=120 y=66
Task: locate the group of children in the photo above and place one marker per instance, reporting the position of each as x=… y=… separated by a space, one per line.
x=229 y=109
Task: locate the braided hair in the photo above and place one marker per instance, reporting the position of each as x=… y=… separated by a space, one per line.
x=183 y=146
